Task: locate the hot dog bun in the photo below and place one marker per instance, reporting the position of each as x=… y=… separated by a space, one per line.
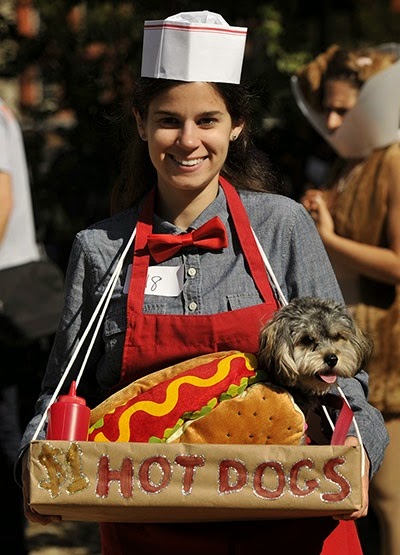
x=263 y=414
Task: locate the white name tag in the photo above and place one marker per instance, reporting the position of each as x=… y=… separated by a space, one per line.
x=166 y=281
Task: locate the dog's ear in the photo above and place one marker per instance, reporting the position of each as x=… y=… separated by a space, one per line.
x=276 y=351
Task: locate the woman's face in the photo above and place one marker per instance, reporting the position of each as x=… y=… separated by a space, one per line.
x=339 y=97
x=188 y=129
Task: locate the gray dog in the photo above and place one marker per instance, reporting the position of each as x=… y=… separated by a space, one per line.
x=308 y=344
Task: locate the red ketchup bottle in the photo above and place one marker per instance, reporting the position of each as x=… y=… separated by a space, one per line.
x=69 y=417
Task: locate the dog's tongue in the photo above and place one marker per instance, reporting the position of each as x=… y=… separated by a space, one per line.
x=331 y=378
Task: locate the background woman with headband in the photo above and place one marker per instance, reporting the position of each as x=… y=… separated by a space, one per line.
x=351 y=98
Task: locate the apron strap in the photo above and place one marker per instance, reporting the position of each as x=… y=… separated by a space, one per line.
x=144 y=228
x=245 y=234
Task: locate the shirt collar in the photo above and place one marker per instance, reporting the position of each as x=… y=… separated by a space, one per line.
x=217 y=208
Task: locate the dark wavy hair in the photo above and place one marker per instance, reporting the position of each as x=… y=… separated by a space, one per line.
x=246 y=167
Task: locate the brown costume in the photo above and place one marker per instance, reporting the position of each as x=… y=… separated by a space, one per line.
x=359 y=199
x=360 y=213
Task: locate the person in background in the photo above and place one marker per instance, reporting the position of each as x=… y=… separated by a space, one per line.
x=350 y=96
x=193 y=164
x=17 y=246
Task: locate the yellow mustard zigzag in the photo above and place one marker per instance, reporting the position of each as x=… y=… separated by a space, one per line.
x=172 y=396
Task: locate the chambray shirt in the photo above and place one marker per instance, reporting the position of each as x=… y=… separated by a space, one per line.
x=213 y=282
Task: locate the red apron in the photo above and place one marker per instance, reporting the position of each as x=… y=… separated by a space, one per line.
x=156 y=341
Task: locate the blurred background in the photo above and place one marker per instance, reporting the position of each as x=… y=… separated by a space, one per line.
x=67 y=68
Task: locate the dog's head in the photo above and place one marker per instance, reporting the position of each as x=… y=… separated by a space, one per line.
x=310 y=342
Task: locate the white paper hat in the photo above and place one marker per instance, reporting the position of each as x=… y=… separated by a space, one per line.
x=193 y=46
x=372 y=123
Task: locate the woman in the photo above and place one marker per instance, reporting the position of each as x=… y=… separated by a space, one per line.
x=357 y=216
x=198 y=164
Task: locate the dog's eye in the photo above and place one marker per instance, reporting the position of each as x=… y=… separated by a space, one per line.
x=307 y=341
x=337 y=337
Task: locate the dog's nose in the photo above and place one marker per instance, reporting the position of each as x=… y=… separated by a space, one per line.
x=331 y=360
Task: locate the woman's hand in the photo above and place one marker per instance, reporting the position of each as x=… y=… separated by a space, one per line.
x=315 y=203
x=310 y=199
x=30 y=514
x=364 y=484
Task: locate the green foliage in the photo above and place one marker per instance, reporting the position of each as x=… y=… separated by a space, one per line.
x=90 y=70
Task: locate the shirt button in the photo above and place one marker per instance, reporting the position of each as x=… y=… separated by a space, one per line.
x=192 y=272
x=192 y=306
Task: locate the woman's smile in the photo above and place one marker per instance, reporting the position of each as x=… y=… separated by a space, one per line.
x=187 y=163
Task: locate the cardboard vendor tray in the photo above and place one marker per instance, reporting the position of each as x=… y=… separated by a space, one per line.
x=158 y=482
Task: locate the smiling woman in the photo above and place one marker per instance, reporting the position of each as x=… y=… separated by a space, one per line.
x=193 y=203
x=188 y=129
x=231 y=106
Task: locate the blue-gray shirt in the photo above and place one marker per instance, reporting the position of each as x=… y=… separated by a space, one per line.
x=213 y=282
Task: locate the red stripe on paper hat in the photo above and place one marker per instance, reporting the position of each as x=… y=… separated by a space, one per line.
x=193 y=46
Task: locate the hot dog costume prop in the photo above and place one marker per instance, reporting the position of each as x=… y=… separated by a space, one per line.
x=215 y=398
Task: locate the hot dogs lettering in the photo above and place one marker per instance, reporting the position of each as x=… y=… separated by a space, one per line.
x=65 y=472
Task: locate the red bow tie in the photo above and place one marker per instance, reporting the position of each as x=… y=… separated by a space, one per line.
x=211 y=235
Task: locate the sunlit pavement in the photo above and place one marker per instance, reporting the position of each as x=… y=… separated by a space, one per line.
x=65 y=538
